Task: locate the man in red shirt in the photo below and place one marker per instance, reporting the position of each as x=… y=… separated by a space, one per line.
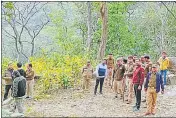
x=138 y=79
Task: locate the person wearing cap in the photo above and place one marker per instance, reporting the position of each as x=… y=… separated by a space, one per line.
x=87 y=73
x=138 y=79
x=153 y=85
x=29 y=80
x=129 y=75
x=110 y=66
x=147 y=69
x=118 y=76
x=164 y=64
x=101 y=73
x=8 y=80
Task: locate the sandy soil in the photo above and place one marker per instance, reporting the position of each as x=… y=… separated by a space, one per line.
x=78 y=103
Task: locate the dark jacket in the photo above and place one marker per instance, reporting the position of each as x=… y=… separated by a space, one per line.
x=19 y=86
x=159 y=81
x=22 y=72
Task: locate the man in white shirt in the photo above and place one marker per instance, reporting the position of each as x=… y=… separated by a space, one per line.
x=101 y=73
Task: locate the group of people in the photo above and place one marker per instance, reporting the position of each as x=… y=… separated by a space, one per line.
x=20 y=82
x=130 y=75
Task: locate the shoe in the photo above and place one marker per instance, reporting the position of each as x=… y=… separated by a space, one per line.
x=147 y=113
x=27 y=97
x=101 y=93
x=128 y=102
x=144 y=100
x=135 y=109
x=116 y=96
x=153 y=113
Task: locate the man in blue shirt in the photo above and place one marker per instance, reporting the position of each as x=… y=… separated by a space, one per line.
x=101 y=73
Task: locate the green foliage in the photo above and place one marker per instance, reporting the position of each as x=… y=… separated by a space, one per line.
x=123 y=39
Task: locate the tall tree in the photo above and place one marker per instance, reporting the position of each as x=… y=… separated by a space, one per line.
x=89 y=26
x=20 y=18
x=104 y=16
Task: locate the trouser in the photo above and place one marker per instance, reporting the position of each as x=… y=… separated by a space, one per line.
x=137 y=95
x=145 y=94
x=99 y=80
x=109 y=77
x=151 y=99
x=86 y=82
x=18 y=105
x=7 y=88
x=29 y=88
x=130 y=89
x=164 y=72
x=118 y=87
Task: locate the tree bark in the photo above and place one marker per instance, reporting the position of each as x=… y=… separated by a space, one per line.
x=89 y=26
x=104 y=16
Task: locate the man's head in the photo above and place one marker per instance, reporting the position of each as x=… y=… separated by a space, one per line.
x=88 y=63
x=19 y=64
x=125 y=61
x=29 y=66
x=10 y=66
x=104 y=61
x=164 y=54
x=154 y=68
x=137 y=62
x=147 y=58
x=15 y=74
x=110 y=56
x=142 y=59
x=130 y=59
x=119 y=60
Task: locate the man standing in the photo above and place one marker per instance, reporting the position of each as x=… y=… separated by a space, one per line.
x=147 y=69
x=101 y=73
x=118 y=76
x=87 y=73
x=164 y=64
x=20 y=70
x=110 y=66
x=19 y=90
x=8 y=80
x=152 y=86
x=129 y=75
x=138 y=78
x=30 y=80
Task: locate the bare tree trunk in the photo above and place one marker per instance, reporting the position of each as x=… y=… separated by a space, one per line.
x=89 y=25
x=104 y=15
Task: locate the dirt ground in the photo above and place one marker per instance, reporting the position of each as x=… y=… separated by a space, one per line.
x=78 y=103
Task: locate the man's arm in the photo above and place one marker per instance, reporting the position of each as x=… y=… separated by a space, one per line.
x=15 y=88
x=147 y=80
x=97 y=71
x=30 y=75
x=141 y=76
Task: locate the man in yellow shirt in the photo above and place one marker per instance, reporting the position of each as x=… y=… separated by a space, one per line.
x=164 y=64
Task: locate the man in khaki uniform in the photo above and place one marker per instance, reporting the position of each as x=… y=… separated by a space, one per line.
x=129 y=75
x=110 y=66
x=153 y=85
x=118 y=75
x=87 y=73
x=8 y=80
x=30 y=81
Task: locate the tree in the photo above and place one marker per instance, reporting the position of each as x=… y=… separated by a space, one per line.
x=104 y=16
x=89 y=26
x=20 y=17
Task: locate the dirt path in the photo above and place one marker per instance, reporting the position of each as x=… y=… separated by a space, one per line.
x=76 y=103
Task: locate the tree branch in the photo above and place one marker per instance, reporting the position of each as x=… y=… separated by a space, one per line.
x=168 y=9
